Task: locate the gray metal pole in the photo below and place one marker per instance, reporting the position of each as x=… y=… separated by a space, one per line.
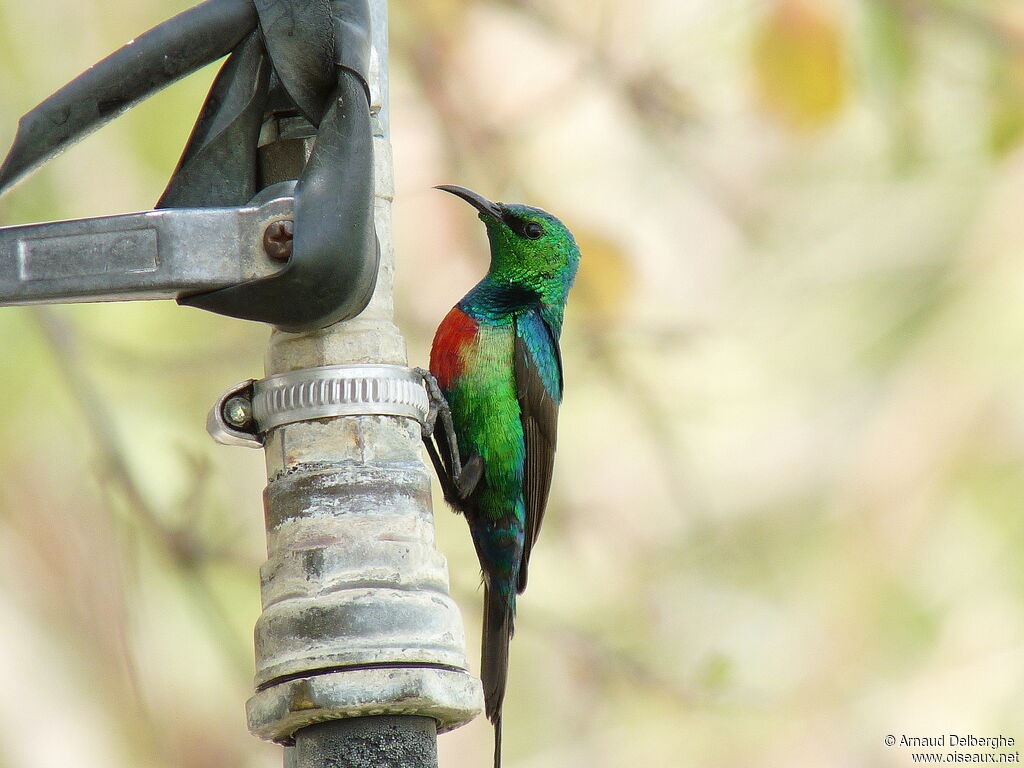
x=360 y=651
x=367 y=742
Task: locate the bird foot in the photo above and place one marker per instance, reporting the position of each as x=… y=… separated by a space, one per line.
x=457 y=480
x=436 y=399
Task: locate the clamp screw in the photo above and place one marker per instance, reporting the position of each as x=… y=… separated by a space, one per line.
x=238 y=412
x=277 y=239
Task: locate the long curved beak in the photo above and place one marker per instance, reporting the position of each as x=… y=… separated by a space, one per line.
x=479 y=202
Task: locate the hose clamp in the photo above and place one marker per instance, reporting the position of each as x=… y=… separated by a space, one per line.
x=246 y=412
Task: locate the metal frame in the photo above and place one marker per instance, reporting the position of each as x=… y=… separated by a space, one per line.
x=152 y=255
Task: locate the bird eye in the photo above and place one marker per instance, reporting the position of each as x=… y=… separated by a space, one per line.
x=533 y=230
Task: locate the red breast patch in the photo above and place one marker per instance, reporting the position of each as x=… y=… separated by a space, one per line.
x=455 y=331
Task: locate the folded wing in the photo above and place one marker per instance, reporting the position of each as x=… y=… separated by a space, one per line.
x=538 y=377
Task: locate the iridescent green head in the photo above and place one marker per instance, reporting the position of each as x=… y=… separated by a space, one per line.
x=530 y=248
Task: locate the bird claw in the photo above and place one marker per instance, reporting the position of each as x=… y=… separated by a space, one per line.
x=435 y=399
x=457 y=480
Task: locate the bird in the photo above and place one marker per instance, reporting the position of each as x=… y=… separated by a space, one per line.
x=496 y=361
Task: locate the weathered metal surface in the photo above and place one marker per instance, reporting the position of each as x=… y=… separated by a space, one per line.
x=353 y=577
x=308 y=56
x=153 y=255
x=279 y=712
x=368 y=742
x=357 y=620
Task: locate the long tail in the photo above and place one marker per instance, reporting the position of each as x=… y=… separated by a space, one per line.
x=494 y=660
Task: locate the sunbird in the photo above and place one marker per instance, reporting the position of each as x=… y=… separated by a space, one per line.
x=496 y=360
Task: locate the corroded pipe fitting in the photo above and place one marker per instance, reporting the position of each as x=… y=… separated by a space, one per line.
x=356 y=619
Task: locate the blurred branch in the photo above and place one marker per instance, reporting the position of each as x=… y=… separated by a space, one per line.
x=181 y=542
x=61 y=340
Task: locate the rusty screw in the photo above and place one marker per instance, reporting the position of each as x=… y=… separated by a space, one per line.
x=277 y=239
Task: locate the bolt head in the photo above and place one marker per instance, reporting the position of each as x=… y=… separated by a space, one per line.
x=277 y=239
x=237 y=412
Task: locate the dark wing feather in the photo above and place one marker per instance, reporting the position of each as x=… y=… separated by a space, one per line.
x=539 y=414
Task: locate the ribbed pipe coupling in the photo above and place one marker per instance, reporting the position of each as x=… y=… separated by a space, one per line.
x=356 y=619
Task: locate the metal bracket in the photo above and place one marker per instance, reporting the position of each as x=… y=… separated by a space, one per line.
x=162 y=254
x=247 y=411
x=305 y=59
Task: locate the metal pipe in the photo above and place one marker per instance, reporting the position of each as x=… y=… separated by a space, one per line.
x=357 y=628
x=367 y=742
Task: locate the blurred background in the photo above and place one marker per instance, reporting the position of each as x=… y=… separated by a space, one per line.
x=787 y=513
